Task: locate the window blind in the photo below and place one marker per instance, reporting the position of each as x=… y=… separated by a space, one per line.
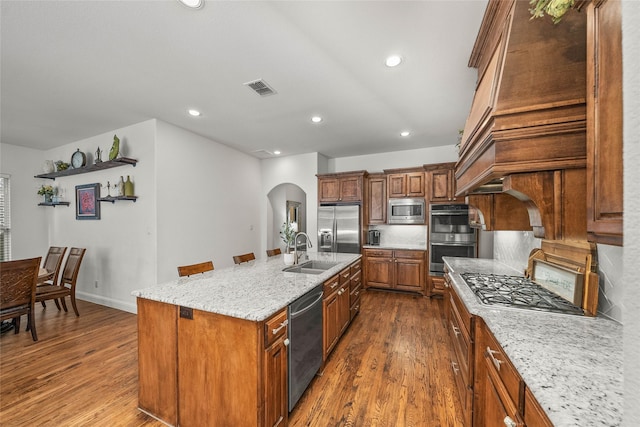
x=5 y=219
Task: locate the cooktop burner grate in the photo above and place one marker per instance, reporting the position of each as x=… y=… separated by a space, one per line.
x=517 y=291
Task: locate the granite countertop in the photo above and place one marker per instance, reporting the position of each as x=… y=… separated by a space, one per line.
x=252 y=291
x=571 y=364
x=400 y=246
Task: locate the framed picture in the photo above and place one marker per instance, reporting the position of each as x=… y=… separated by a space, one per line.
x=87 y=205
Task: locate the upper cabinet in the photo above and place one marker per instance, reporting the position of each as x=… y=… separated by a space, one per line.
x=441 y=182
x=405 y=183
x=604 y=122
x=529 y=109
x=376 y=199
x=340 y=187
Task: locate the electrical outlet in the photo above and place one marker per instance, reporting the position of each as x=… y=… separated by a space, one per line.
x=96 y=283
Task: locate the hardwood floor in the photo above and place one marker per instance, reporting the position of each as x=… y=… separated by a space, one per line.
x=390 y=369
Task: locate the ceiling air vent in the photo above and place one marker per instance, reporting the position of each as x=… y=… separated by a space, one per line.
x=261 y=87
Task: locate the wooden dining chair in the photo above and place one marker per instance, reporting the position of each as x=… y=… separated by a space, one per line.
x=52 y=264
x=18 y=281
x=273 y=252
x=239 y=259
x=188 y=270
x=67 y=286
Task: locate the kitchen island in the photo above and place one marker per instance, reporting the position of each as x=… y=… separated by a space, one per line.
x=212 y=347
x=571 y=364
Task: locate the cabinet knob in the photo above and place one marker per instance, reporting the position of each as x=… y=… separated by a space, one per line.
x=508 y=422
x=286 y=342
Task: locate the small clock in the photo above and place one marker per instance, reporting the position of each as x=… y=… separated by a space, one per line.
x=78 y=159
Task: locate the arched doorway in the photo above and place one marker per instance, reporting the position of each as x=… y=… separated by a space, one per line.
x=286 y=202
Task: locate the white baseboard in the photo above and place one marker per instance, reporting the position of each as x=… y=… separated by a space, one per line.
x=109 y=302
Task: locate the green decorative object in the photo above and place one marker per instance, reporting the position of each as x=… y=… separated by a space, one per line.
x=128 y=187
x=288 y=235
x=115 y=148
x=554 y=8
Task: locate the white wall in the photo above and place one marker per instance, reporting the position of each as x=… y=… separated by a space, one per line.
x=209 y=201
x=121 y=246
x=394 y=159
x=29 y=227
x=300 y=170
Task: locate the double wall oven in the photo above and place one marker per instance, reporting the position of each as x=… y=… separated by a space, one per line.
x=449 y=235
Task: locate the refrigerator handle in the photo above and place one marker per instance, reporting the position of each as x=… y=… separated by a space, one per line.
x=334 y=246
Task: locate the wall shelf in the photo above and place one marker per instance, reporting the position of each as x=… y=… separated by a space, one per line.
x=107 y=164
x=113 y=199
x=53 y=204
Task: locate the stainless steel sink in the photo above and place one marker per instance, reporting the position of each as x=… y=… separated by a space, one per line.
x=311 y=267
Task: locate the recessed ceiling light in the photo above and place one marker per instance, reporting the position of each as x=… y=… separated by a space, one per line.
x=405 y=133
x=194 y=113
x=276 y=152
x=316 y=119
x=393 y=60
x=194 y=4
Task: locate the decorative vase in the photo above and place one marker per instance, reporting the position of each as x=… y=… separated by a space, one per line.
x=48 y=166
x=121 y=191
x=128 y=187
x=48 y=198
x=288 y=258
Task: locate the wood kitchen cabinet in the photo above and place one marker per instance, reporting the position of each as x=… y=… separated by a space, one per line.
x=395 y=269
x=340 y=187
x=355 y=288
x=340 y=303
x=405 y=182
x=499 y=388
x=436 y=286
x=604 y=122
x=460 y=325
x=441 y=182
x=376 y=199
x=178 y=342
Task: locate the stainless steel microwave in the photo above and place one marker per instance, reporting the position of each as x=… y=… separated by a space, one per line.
x=406 y=211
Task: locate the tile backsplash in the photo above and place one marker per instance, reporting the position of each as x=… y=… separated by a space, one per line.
x=399 y=235
x=513 y=248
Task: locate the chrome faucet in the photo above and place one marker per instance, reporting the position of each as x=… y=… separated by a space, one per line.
x=295 y=246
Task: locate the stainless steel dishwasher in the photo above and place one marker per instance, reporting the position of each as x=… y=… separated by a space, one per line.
x=305 y=342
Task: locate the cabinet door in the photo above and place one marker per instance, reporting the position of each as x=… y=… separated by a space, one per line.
x=377 y=200
x=328 y=189
x=276 y=409
x=436 y=285
x=330 y=331
x=440 y=185
x=351 y=189
x=415 y=184
x=379 y=272
x=604 y=122
x=498 y=410
x=396 y=185
x=409 y=274
x=344 y=308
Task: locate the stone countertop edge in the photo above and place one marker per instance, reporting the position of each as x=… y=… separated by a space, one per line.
x=252 y=291
x=573 y=365
x=398 y=247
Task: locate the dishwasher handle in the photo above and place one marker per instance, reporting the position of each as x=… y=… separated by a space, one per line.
x=307 y=308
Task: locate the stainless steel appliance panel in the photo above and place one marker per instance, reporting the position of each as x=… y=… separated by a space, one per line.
x=339 y=228
x=305 y=342
x=406 y=211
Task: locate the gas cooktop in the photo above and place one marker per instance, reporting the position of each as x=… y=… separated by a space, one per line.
x=517 y=291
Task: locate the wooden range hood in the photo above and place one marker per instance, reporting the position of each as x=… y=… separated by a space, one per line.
x=527 y=124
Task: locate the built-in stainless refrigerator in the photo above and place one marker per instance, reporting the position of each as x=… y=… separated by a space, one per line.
x=339 y=228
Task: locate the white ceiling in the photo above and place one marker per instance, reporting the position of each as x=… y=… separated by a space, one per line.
x=75 y=69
